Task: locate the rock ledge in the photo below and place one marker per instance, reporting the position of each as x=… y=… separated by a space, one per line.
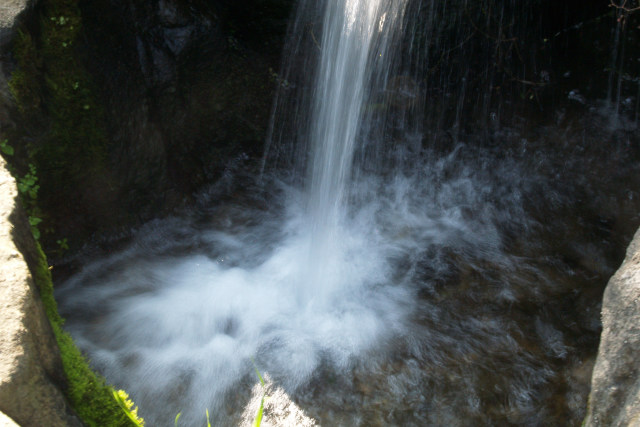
x=31 y=372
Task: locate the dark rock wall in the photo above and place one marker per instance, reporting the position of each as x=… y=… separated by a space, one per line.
x=184 y=93
x=187 y=88
x=127 y=108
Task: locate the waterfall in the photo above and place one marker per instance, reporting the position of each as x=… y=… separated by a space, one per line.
x=356 y=41
x=394 y=254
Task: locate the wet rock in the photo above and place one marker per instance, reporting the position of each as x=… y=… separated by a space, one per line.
x=615 y=384
x=31 y=371
x=171 y=13
x=163 y=32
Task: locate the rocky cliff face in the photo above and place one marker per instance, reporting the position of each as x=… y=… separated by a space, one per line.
x=615 y=384
x=31 y=373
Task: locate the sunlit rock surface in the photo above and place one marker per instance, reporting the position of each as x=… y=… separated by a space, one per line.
x=278 y=408
x=29 y=356
x=615 y=386
x=10 y=10
x=6 y=421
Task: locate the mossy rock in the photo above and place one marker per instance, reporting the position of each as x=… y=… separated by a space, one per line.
x=87 y=392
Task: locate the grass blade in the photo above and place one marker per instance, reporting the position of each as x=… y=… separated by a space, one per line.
x=257 y=372
x=258 y=420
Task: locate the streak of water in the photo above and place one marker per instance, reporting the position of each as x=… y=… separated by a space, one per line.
x=355 y=34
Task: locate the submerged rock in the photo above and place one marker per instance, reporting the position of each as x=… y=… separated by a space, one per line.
x=615 y=384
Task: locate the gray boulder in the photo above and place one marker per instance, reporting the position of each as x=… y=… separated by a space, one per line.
x=615 y=384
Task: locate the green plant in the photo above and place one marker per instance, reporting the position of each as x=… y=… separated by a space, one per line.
x=6 y=148
x=259 y=414
x=60 y=20
x=27 y=185
x=28 y=188
x=63 y=245
x=126 y=404
x=33 y=222
x=258 y=419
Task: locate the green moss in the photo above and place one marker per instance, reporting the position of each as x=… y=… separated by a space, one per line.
x=87 y=392
x=23 y=84
x=66 y=137
x=77 y=146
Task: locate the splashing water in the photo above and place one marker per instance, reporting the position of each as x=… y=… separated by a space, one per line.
x=191 y=322
x=402 y=288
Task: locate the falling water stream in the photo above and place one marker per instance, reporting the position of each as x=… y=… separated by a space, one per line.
x=376 y=280
x=346 y=66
